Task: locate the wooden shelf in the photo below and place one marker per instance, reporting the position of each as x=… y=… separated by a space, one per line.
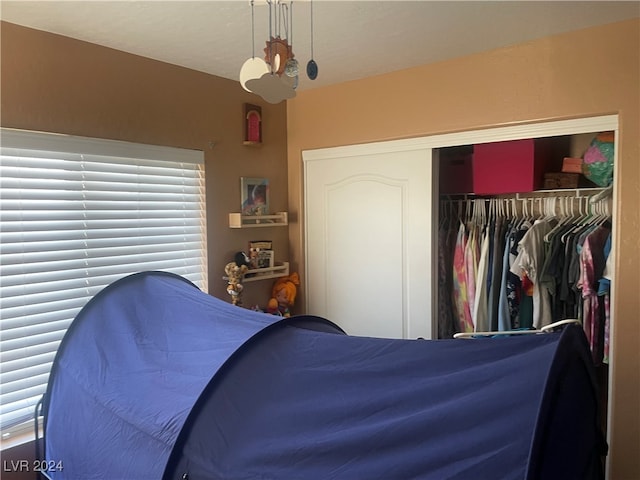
x=255 y=274
x=237 y=220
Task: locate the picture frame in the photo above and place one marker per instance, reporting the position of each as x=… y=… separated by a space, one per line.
x=254 y=195
x=266 y=259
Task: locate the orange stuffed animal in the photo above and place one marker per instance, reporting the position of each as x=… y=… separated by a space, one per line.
x=283 y=295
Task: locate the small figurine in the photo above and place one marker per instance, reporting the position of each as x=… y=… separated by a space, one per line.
x=283 y=295
x=234 y=277
x=253 y=257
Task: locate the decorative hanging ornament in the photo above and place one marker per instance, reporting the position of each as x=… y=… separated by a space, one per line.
x=312 y=66
x=291 y=68
x=277 y=53
x=312 y=70
x=251 y=69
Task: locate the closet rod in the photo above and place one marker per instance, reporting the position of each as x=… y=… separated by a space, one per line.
x=546 y=329
x=577 y=192
x=605 y=193
x=597 y=193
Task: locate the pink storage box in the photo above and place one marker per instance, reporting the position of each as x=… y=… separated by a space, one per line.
x=511 y=166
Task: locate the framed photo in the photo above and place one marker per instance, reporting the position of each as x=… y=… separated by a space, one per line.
x=265 y=259
x=254 y=196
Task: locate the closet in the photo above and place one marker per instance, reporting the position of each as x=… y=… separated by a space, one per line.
x=513 y=260
x=504 y=256
x=372 y=216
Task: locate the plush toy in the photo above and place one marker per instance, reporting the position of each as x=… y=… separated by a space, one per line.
x=241 y=258
x=234 y=277
x=283 y=295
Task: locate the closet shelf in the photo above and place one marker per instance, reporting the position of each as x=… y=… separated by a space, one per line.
x=255 y=274
x=279 y=219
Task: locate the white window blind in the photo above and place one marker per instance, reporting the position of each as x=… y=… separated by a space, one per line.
x=77 y=214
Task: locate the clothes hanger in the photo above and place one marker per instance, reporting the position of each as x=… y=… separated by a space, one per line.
x=603 y=208
x=502 y=208
x=541 y=212
x=546 y=329
x=551 y=206
x=576 y=222
x=564 y=218
x=584 y=222
x=527 y=218
x=532 y=212
x=468 y=206
x=443 y=212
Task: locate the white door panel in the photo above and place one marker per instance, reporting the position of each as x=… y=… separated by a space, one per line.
x=368 y=227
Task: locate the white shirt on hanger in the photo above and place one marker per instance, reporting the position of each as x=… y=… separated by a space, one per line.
x=530 y=260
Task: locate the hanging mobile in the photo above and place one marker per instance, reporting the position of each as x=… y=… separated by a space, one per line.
x=312 y=66
x=291 y=67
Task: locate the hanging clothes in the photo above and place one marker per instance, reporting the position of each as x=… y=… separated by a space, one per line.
x=461 y=299
x=604 y=290
x=471 y=254
x=529 y=263
x=515 y=291
x=592 y=263
x=496 y=271
x=552 y=272
x=504 y=315
x=448 y=324
x=480 y=306
x=513 y=269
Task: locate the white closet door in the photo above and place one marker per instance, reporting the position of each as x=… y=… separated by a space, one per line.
x=368 y=214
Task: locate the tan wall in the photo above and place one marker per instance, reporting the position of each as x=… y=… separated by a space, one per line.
x=56 y=84
x=585 y=73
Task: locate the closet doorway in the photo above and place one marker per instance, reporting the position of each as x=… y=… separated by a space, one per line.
x=350 y=216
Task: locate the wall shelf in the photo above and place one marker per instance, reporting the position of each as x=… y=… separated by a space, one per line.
x=237 y=220
x=255 y=274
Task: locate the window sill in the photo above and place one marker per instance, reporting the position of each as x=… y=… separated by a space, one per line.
x=19 y=435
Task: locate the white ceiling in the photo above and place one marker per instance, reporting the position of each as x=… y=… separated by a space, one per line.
x=352 y=39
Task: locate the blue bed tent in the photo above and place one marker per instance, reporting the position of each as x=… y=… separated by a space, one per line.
x=158 y=380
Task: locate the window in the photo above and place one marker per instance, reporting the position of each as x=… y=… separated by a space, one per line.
x=77 y=214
